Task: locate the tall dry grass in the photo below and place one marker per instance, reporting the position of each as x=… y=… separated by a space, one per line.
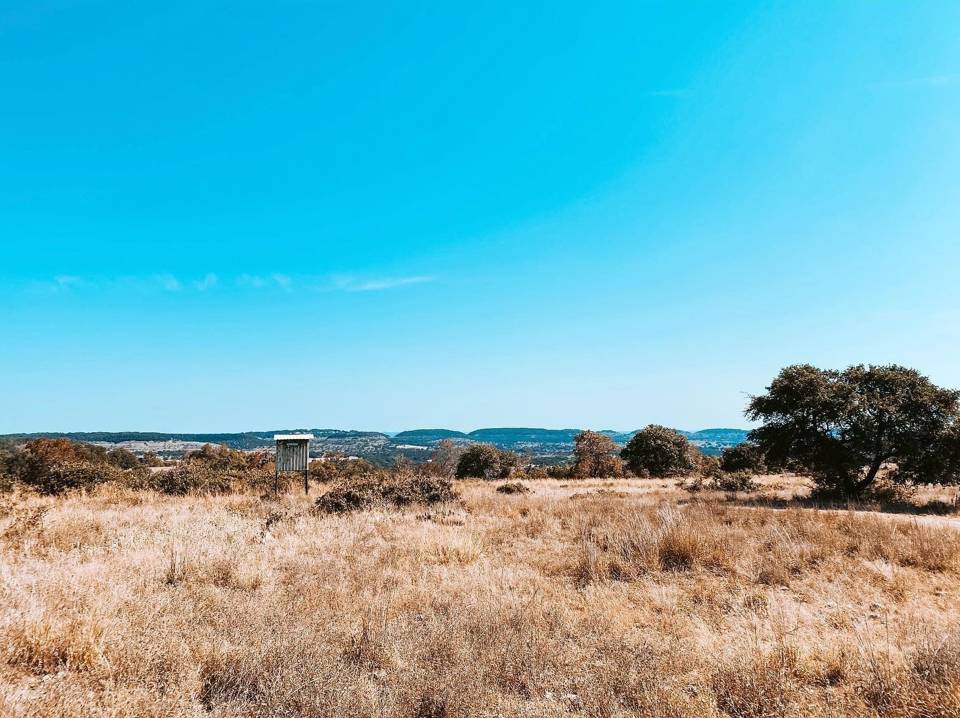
x=614 y=604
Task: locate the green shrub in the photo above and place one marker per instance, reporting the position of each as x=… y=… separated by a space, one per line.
x=122 y=459
x=743 y=457
x=659 y=451
x=734 y=481
x=486 y=461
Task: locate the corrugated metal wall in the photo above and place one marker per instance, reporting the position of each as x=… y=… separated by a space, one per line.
x=292 y=455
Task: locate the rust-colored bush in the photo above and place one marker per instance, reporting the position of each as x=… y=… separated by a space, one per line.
x=385 y=491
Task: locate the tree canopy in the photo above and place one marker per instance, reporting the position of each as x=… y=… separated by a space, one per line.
x=486 y=461
x=595 y=456
x=844 y=426
x=659 y=451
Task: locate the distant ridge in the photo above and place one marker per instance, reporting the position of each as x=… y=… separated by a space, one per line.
x=546 y=445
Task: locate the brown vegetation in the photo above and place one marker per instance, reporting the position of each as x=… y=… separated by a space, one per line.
x=623 y=603
x=384 y=491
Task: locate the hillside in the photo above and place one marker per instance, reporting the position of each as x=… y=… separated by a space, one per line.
x=544 y=445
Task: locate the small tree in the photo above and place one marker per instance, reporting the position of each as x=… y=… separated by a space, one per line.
x=446 y=457
x=659 y=451
x=595 y=456
x=123 y=459
x=53 y=466
x=843 y=426
x=486 y=461
x=743 y=457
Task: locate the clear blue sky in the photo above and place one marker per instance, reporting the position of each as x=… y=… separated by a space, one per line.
x=237 y=215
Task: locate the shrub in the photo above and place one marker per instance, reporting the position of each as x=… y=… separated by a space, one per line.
x=122 y=459
x=377 y=491
x=531 y=472
x=445 y=458
x=151 y=459
x=595 y=456
x=53 y=466
x=734 y=481
x=187 y=479
x=558 y=471
x=486 y=461
x=223 y=458
x=659 y=451
x=337 y=468
x=67 y=475
x=743 y=457
x=513 y=487
x=708 y=466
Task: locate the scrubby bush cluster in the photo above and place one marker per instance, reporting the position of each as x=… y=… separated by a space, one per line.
x=337 y=468
x=743 y=457
x=380 y=491
x=52 y=466
x=595 y=456
x=486 y=461
x=660 y=452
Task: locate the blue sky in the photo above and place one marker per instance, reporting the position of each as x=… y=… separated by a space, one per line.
x=225 y=216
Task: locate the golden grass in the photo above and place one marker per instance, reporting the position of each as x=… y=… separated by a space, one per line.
x=622 y=602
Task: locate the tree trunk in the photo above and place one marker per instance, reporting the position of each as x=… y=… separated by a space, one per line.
x=871 y=475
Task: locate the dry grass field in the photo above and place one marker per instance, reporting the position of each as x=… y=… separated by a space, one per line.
x=593 y=598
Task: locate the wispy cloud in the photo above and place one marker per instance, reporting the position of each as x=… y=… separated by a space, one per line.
x=64 y=281
x=169 y=283
x=925 y=81
x=209 y=281
x=354 y=284
x=259 y=281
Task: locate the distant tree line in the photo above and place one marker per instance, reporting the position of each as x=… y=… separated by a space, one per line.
x=844 y=429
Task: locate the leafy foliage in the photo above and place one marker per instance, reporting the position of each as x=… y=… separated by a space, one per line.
x=743 y=457
x=659 y=451
x=337 y=468
x=595 y=456
x=843 y=426
x=486 y=461
x=377 y=490
x=53 y=466
x=223 y=458
x=186 y=479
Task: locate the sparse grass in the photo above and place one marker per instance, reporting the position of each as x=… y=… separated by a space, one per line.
x=633 y=603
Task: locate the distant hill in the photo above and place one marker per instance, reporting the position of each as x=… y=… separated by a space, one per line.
x=510 y=436
x=544 y=445
x=419 y=436
x=737 y=436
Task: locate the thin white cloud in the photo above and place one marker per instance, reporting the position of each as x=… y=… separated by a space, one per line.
x=169 y=283
x=353 y=284
x=209 y=281
x=66 y=281
x=251 y=281
x=257 y=281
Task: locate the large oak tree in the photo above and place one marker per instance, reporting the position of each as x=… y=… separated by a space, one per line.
x=843 y=426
